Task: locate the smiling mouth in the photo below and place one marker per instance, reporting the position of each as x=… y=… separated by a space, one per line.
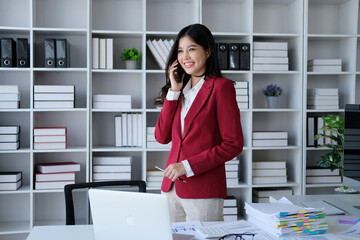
x=188 y=65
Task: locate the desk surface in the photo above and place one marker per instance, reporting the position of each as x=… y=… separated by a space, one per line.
x=79 y=232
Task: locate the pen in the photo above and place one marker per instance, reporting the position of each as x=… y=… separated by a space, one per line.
x=164 y=170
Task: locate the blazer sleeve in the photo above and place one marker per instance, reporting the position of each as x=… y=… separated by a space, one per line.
x=232 y=142
x=163 y=126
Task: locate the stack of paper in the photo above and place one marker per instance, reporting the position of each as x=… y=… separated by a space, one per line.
x=324 y=65
x=232 y=172
x=111 y=101
x=55 y=175
x=270 y=56
x=50 y=138
x=230 y=209
x=284 y=218
x=270 y=139
x=9 y=96
x=9 y=137
x=10 y=180
x=262 y=195
x=107 y=168
x=242 y=94
x=154 y=178
x=151 y=141
x=54 y=96
x=323 y=98
x=269 y=172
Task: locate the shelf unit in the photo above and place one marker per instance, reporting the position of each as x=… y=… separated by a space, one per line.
x=329 y=25
x=91 y=131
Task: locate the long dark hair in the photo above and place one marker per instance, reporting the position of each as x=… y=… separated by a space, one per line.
x=200 y=35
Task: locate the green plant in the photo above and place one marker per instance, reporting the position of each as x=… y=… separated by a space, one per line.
x=272 y=90
x=131 y=54
x=334 y=159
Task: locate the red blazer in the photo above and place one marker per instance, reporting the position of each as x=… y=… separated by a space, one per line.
x=212 y=135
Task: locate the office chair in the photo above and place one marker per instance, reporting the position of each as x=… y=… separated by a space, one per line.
x=69 y=202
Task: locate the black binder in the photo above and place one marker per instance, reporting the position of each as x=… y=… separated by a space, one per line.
x=244 y=56
x=234 y=56
x=62 y=57
x=223 y=53
x=22 y=52
x=8 y=54
x=49 y=45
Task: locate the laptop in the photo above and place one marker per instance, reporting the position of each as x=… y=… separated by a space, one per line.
x=129 y=215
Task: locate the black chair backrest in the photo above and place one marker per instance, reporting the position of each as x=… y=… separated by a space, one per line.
x=69 y=204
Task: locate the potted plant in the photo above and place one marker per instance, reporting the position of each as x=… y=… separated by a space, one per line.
x=272 y=93
x=335 y=159
x=131 y=56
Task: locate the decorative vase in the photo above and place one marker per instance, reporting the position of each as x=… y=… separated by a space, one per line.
x=272 y=102
x=131 y=64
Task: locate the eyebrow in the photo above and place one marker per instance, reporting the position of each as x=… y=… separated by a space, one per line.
x=192 y=45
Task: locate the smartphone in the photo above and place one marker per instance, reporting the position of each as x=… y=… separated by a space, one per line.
x=180 y=73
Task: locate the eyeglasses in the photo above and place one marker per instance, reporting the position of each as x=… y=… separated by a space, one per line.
x=238 y=236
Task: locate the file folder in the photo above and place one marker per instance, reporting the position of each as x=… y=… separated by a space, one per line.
x=234 y=56
x=223 y=54
x=49 y=45
x=244 y=56
x=62 y=50
x=7 y=52
x=22 y=53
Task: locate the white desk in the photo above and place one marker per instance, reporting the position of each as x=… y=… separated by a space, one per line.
x=79 y=232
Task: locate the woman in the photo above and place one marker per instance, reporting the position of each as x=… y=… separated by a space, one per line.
x=201 y=118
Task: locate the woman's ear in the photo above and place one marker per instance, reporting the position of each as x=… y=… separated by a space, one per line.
x=208 y=53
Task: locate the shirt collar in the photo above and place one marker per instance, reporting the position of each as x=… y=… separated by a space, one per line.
x=187 y=89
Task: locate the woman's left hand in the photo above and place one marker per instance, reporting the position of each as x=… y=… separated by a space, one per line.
x=173 y=171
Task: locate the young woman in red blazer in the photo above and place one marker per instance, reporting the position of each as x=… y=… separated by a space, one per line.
x=201 y=119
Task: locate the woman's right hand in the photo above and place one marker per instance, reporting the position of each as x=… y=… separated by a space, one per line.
x=173 y=76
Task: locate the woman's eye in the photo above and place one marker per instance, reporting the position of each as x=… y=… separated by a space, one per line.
x=179 y=51
x=191 y=49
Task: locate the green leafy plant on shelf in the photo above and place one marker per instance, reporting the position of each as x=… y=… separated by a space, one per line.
x=131 y=54
x=335 y=159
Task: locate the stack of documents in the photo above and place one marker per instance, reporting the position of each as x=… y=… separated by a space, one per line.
x=284 y=218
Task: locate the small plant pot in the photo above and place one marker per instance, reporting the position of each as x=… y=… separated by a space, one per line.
x=272 y=102
x=131 y=64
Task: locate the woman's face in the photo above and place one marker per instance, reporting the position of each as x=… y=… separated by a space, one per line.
x=192 y=56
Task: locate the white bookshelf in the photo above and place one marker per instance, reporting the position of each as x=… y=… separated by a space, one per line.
x=311 y=27
x=329 y=25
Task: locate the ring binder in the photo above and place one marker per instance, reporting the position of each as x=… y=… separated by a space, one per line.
x=49 y=45
x=7 y=52
x=22 y=52
x=62 y=49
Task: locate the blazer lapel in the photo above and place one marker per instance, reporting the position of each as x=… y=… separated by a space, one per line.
x=198 y=103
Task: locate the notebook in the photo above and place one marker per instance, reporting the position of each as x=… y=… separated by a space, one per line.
x=129 y=215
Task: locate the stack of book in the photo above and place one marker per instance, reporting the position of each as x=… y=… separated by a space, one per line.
x=283 y=218
x=269 y=172
x=324 y=65
x=111 y=101
x=270 y=139
x=9 y=137
x=270 y=56
x=154 y=178
x=323 y=98
x=322 y=175
x=128 y=130
x=230 y=209
x=242 y=94
x=108 y=168
x=262 y=195
x=102 y=53
x=9 y=97
x=160 y=49
x=55 y=175
x=49 y=138
x=314 y=125
x=232 y=172
x=54 y=96
x=151 y=141
x=10 y=181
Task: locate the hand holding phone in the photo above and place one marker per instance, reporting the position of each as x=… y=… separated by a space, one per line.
x=176 y=76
